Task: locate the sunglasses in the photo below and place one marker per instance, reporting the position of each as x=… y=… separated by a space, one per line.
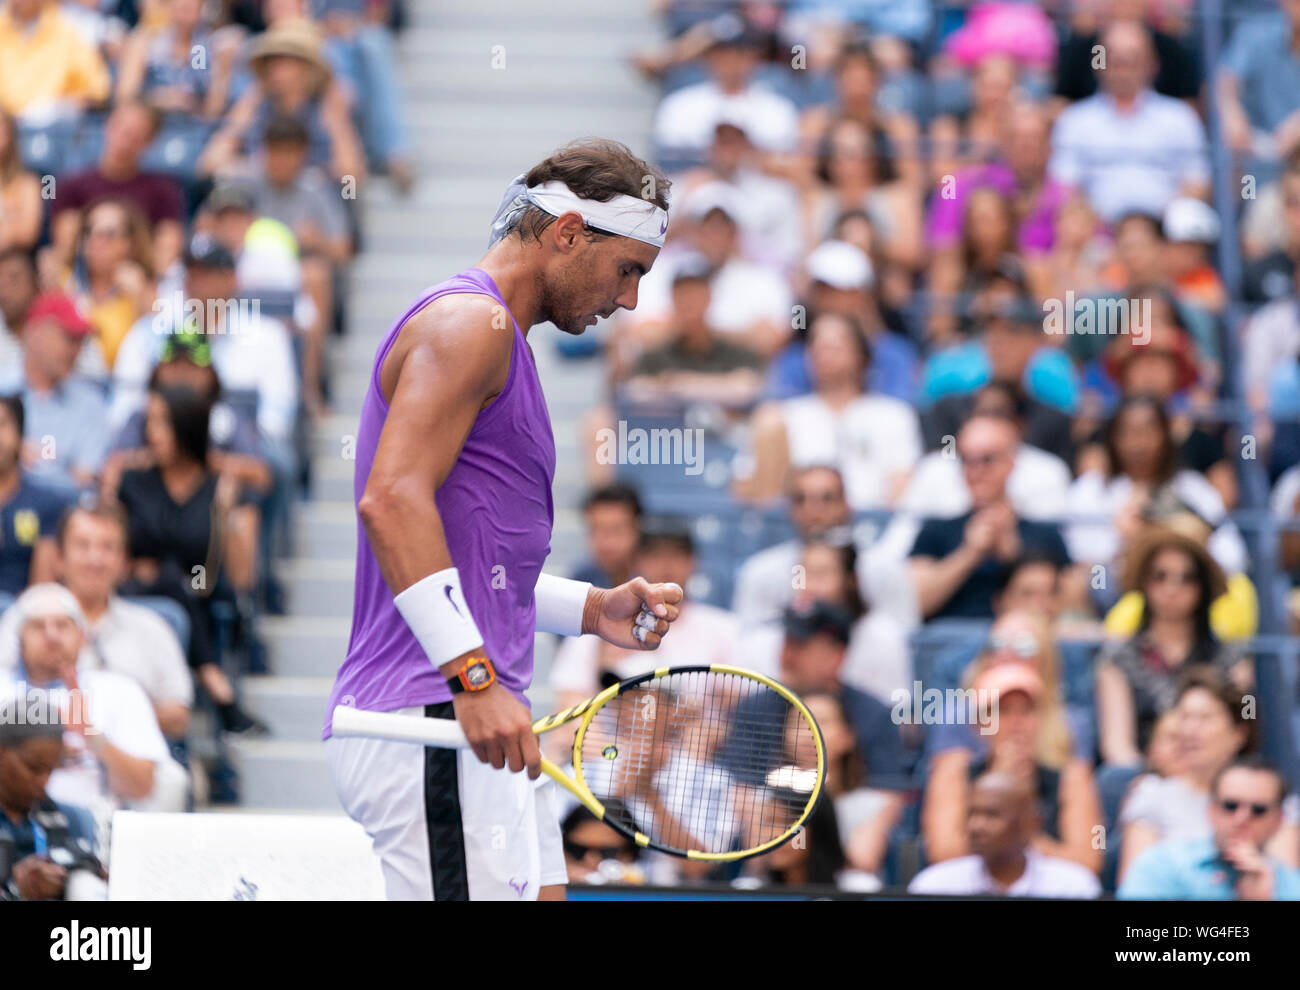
x=1177 y=577
x=1023 y=646
x=577 y=850
x=1257 y=810
x=825 y=498
x=978 y=461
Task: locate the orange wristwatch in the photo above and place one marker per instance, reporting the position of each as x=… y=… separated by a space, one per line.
x=477 y=674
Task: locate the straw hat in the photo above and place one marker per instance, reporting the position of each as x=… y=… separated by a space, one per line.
x=294 y=38
x=1183 y=531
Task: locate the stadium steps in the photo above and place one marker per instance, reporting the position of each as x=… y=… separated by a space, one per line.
x=473 y=128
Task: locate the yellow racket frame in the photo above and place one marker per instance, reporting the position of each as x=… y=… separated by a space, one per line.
x=586 y=711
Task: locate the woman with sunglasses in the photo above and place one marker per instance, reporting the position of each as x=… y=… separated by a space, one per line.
x=1212 y=729
x=1137 y=680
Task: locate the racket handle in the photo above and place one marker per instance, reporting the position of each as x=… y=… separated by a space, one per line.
x=444 y=733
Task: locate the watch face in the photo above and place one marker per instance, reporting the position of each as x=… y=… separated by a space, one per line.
x=477 y=674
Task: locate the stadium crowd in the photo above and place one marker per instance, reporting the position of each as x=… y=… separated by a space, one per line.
x=990 y=393
x=179 y=185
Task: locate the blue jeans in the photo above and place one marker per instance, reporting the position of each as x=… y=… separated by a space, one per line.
x=368 y=61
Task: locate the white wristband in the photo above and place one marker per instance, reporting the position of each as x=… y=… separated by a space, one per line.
x=560 y=603
x=435 y=609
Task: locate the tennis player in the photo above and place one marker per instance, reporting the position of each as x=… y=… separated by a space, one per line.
x=455 y=459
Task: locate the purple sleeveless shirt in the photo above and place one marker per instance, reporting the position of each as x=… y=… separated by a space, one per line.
x=497 y=514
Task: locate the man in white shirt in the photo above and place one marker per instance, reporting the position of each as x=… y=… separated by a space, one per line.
x=116 y=754
x=1002 y=821
x=686 y=119
x=1128 y=148
x=122 y=636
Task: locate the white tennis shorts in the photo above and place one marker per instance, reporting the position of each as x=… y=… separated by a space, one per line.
x=445 y=826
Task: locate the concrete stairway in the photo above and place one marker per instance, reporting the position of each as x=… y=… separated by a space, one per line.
x=473 y=127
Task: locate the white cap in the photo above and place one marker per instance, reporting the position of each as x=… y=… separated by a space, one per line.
x=713 y=196
x=840 y=265
x=41 y=600
x=1188 y=220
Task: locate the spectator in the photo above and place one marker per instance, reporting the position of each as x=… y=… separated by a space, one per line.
x=1245 y=813
x=1026 y=739
x=189 y=538
x=878 y=661
x=749 y=302
x=955 y=562
x=1270 y=236
x=1179 y=73
x=685 y=121
x=122 y=636
x=118 y=757
x=594 y=852
x=186 y=362
x=1257 y=84
x=1213 y=731
x=65 y=416
x=292 y=77
x=812 y=662
x=112 y=278
x=861 y=96
x=1138 y=680
x=362 y=51
x=1191 y=227
x=975 y=136
x=1270 y=344
x=157 y=64
x=842 y=281
x=613 y=519
x=853 y=174
x=284 y=188
x=47 y=850
x=864 y=815
x=874 y=440
x=29 y=512
x=18 y=287
x=1002 y=823
x=46 y=68
x=21 y=207
x=818 y=510
x=697 y=363
x=819 y=859
x=1155 y=147
x=584 y=664
x=1106 y=506
x=129 y=131
x=1018 y=170
x=960 y=280
x=769 y=217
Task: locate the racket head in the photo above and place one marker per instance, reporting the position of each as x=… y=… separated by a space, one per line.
x=711 y=763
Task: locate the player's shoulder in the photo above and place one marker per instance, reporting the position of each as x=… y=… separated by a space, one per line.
x=472 y=327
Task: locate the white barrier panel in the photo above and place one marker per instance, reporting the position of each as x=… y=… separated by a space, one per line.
x=241 y=858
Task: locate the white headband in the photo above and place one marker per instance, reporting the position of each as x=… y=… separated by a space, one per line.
x=626 y=216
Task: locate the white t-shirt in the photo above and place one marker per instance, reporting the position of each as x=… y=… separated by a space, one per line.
x=688 y=118
x=701 y=634
x=118 y=707
x=1044 y=876
x=1093 y=502
x=127 y=639
x=743 y=294
x=873 y=441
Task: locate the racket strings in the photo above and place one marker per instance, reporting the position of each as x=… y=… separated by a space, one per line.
x=701 y=760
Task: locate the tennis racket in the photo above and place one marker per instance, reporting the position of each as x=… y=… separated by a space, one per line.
x=709 y=763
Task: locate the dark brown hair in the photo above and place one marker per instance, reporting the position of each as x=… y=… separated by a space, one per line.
x=1206 y=678
x=593 y=168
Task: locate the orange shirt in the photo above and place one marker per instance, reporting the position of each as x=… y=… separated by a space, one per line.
x=47 y=61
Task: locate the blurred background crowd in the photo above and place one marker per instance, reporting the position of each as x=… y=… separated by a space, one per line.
x=985 y=314
x=179 y=185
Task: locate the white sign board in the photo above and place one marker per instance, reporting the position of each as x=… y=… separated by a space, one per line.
x=239 y=857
